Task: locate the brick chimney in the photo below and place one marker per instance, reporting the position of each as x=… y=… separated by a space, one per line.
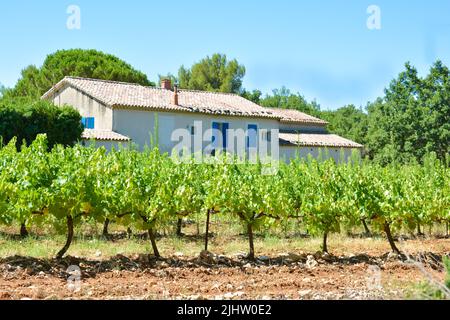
x=175 y=95
x=166 y=84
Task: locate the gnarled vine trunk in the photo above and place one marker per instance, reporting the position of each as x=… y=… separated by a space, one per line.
x=419 y=232
x=366 y=228
x=23 y=230
x=208 y=216
x=105 y=232
x=179 y=226
x=151 y=235
x=251 y=254
x=324 y=242
x=387 y=230
x=63 y=251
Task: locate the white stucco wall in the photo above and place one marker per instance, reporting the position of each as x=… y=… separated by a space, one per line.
x=291 y=152
x=139 y=125
x=87 y=107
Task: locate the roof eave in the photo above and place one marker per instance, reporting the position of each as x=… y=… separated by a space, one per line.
x=291 y=144
x=182 y=109
x=110 y=140
x=54 y=89
x=319 y=122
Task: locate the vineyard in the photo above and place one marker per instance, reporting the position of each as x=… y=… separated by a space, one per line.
x=67 y=187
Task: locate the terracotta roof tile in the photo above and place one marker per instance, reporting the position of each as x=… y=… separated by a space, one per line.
x=104 y=135
x=316 y=140
x=295 y=116
x=119 y=94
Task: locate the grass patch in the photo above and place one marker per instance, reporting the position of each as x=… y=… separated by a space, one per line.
x=227 y=238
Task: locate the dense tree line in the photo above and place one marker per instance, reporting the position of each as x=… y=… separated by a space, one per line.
x=413 y=118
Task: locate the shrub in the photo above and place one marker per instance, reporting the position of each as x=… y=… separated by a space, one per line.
x=25 y=119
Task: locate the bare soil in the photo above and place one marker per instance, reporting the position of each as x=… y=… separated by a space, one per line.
x=288 y=276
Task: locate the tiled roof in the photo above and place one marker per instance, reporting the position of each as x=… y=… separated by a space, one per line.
x=295 y=116
x=316 y=140
x=104 y=135
x=127 y=95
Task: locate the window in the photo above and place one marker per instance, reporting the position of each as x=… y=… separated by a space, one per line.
x=219 y=135
x=88 y=123
x=252 y=136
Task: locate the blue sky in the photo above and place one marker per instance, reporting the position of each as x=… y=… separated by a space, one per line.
x=322 y=49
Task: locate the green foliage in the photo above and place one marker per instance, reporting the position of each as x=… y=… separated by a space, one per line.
x=446 y=261
x=35 y=81
x=254 y=96
x=348 y=122
x=214 y=73
x=147 y=189
x=25 y=119
x=283 y=98
x=413 y=118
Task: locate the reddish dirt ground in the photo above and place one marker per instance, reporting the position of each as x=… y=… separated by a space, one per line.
x=217 y=277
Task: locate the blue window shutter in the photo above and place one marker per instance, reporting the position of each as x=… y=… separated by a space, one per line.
x=90 y=123
x=215 y=138
x=225 y=127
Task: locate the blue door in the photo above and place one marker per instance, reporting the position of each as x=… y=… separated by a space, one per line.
x=219 y=138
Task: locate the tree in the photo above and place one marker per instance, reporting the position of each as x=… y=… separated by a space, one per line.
x=254 y=96
x=348 y=122
x=35 y=81
x=436 y=97
x=214 y=73
x=25 y=118
x=413 y=118
x=284 y=99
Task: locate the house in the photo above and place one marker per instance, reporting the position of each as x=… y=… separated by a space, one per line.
x=116 y=113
